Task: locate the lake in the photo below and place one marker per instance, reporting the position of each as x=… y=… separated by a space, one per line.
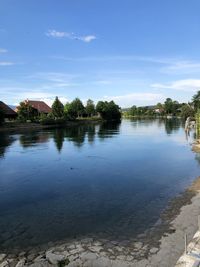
x=110 y=180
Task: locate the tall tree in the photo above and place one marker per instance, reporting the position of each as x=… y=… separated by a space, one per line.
x=26 y=111
x=196 y=100
x=77 y=107
x=90 y=108
x=57 y=108
x=108 y=110
x=187 y=111
x=168 y=105
x=133 y=111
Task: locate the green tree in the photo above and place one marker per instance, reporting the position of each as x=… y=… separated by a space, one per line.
x=57 y=108
x=175 y=107
x=187 y=111
x=133 y=111
x=76 y=108
x=67 y=112
x=26 y=112
x=108 y=110
x=90 y=108
x=196 y=100
x=168 y=106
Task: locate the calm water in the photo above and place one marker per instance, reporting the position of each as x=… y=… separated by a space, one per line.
x=112 y=180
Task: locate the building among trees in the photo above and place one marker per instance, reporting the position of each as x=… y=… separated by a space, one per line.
x=8 y=113
x=39 y=106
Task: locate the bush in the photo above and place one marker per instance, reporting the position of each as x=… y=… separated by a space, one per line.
x=2 y=116
x=47 y=121
x=108 y=110
x=51 y=121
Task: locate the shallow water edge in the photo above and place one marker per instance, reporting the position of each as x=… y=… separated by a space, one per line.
x=160 y=246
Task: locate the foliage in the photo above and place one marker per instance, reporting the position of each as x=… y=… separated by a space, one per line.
x=43 y=116
x=171 y=106
x=90 y=108
x=26 y=112
x=74 y=109
x=57 y=108
x=2 y=115
x=187 y=111
x=52 y=121
x=196 y=101
x=108 y=110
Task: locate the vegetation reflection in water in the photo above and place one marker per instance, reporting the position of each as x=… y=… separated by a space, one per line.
x=110 y=180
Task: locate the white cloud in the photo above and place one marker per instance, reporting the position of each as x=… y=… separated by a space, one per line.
x=87 y=38
x=6 y=63
x=190 y=85
x=2 y=50
x=72 y=36
x=57 y=34
x=41 y=96
x=136 y=99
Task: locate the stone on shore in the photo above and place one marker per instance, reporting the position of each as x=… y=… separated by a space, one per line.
x=54 y=258
x=2 y=257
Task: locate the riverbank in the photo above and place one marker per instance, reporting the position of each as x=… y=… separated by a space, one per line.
x=161 y=246
x=22 y=127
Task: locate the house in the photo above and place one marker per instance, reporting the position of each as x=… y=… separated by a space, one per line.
x=9 y=113
x=39 y=106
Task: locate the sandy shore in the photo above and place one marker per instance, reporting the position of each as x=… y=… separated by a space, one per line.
x=162 y=246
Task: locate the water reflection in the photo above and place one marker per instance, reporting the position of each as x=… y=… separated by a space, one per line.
x=172 y=125
x=5 y=141
x=30 y=139
x=108 y=130
x=80 y=133
x=59 y=137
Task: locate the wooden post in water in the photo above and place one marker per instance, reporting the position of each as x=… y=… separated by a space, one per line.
x=185 y=243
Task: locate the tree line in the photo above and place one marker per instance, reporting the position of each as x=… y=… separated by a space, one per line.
x=70 y=111
x=169 y=107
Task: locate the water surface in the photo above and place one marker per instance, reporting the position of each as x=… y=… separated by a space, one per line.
x=110 y=180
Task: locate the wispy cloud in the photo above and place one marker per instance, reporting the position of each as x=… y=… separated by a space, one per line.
x=128 y=100
x=14 y=95
x=54 y=79
x=6 y=63
x=182 y=67
x=171 y=65
x=119 y=58
x=189 y=85
x=2 y=50
x=72 y=36
x=51 y=76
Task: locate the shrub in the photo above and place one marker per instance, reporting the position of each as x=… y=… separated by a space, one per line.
x=2 y=116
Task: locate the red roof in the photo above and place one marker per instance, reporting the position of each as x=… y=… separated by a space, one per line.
x=7 y=110
x=40 y=106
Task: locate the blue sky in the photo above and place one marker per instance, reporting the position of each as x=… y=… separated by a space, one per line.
x=133 y=51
